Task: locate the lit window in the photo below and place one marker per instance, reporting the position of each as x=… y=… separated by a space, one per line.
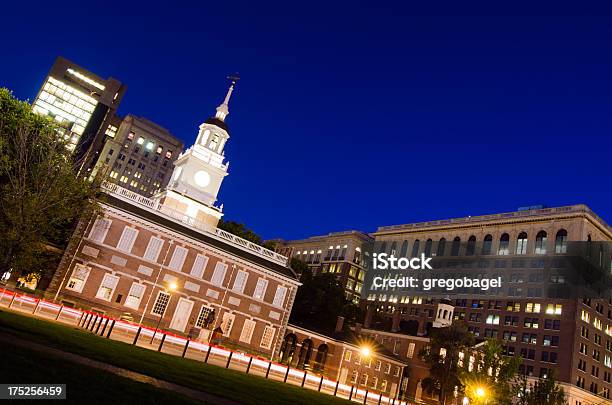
x=79 y=277
x=150 y=145
x=130 y=136
x=159 y=150
x=107 y=287
x=168 y=154
x=140 y=140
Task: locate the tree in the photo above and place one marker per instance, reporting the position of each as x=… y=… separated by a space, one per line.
x=41 y=197
x=544 y=391
x=319 y=301
x=242 y=231
x=490 y=369
x=442 y=356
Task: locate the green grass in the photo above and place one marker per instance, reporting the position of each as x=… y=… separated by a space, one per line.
x=247 y=389
x=83 y=384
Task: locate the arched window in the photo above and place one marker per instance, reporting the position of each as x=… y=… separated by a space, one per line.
x=486 y=245
x=383 y=247
x=441 y=247
x=456 y=246
x=540 y=245
x=305 y=353
x=321 y=357
x=288 y=348
x=404 y=249
x=561 y=241
x=428 y=245
x=521 y=244
x=471 y=246
x=504 y=245
x=589 y=246
x=415 y=248
x=394 y=248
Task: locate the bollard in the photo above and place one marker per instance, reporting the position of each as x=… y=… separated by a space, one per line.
x=268 y=370
x=304 y=378
x=365 y=397
x=320 y=384
x=110 y=329
x=249 y=365
x=13 y=299
x=161 y=342
x=89 y=320
x=137 y=335
x=185 y=349
x=229 y=359
x=93 y=324
x=104 y=328
x=379 y=398
x=99 y=324
x=287 y=373
x=80 y=319
x=351 y=394
x=208 y=353
x=60 y=312
x=336 y=389
x=36 y=307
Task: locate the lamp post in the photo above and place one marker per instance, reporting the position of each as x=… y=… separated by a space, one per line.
x=481 y=394
x=171 y=288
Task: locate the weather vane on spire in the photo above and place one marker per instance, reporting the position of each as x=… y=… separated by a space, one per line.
x=234 y=78
x=223 y=109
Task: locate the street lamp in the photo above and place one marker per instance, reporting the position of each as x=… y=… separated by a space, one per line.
x=171 y=287
x=365 y=353
x=481 y=394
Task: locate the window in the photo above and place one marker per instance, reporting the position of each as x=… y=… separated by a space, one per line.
x=153 y=249
x=521 y=244
x=135 y=295
x=441 y=247
x=260 y=289
x=178 y=258
x=347 y=355
x=410 y=350
x=415 y=248
x=279 y=297
x=374 y=382
x=128 y=237
x=199 y=264
x=227 y=323
x=428 y=245
x=493 y=319
x=161 y=302
x=99 y=230
x=455 y=247
x=471 y=246
x=203 y=316
x=247 y=331
x=267 y=337
x=107 y=287
x=219 y=273
x=378 y=365
x=397 y=371
x=240 y=281
x=532 y=307
x=78 y=278
x=388 y=368
x=561 y=241
x=504 y=243
x=486 y=245
x=540 y=246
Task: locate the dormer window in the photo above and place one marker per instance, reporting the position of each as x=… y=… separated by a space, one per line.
x=214 y=142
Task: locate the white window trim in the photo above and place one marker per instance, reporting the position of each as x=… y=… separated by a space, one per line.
x=263 y=290
x=134 y=284
x=228 y=315
x=240 y=275
x=79 y=290
x=128 y=249
x=153 y=259
x=107 y=275
x=220 y=271
x=246 y=337
x=202 y=268
x=97 y=225
x=276 y=296
x=154 y=302
x=178 y=266
x=266 y=328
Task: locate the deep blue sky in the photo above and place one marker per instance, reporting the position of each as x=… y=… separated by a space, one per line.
x=354 y=115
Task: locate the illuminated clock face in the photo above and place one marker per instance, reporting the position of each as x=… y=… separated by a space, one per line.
x=202 y=178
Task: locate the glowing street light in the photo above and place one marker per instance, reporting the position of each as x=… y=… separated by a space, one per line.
x=365 y=351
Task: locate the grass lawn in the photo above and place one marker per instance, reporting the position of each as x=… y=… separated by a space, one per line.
x=84 y=384
x=230 y=384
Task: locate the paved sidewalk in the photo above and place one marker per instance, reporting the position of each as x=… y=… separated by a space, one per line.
x=122 y=372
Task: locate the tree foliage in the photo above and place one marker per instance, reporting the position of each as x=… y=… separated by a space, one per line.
x=491 y=370
x=442 y=356
x=40 y=195
x=242 y=231
x=319 y=302
x=544 y=391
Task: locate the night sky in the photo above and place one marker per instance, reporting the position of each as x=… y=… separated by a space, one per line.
x=352 y=115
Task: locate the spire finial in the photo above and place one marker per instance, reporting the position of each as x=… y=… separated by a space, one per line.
x=223 y=109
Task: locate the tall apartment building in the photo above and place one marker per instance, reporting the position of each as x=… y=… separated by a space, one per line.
x=340 y=253
x=83 y=104
x=570 y=337
x=138 y=249
x=139 y=155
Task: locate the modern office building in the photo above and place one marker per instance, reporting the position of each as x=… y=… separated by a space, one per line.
x=570 y=337
x=137 y=250
x=138 y=155
x=340 y=253
x=83 y=104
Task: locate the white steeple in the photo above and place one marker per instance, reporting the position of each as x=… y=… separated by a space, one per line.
x=199 y=171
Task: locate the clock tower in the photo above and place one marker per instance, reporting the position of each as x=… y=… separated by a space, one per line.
x=200 y=170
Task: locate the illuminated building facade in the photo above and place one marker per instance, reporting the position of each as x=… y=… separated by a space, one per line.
x=139 y=155
x=83 y=104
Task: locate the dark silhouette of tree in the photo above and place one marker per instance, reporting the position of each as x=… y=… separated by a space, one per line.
x=544 y=391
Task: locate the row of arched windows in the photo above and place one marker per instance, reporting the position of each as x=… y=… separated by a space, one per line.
x=304 y=359
x=486 y=248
